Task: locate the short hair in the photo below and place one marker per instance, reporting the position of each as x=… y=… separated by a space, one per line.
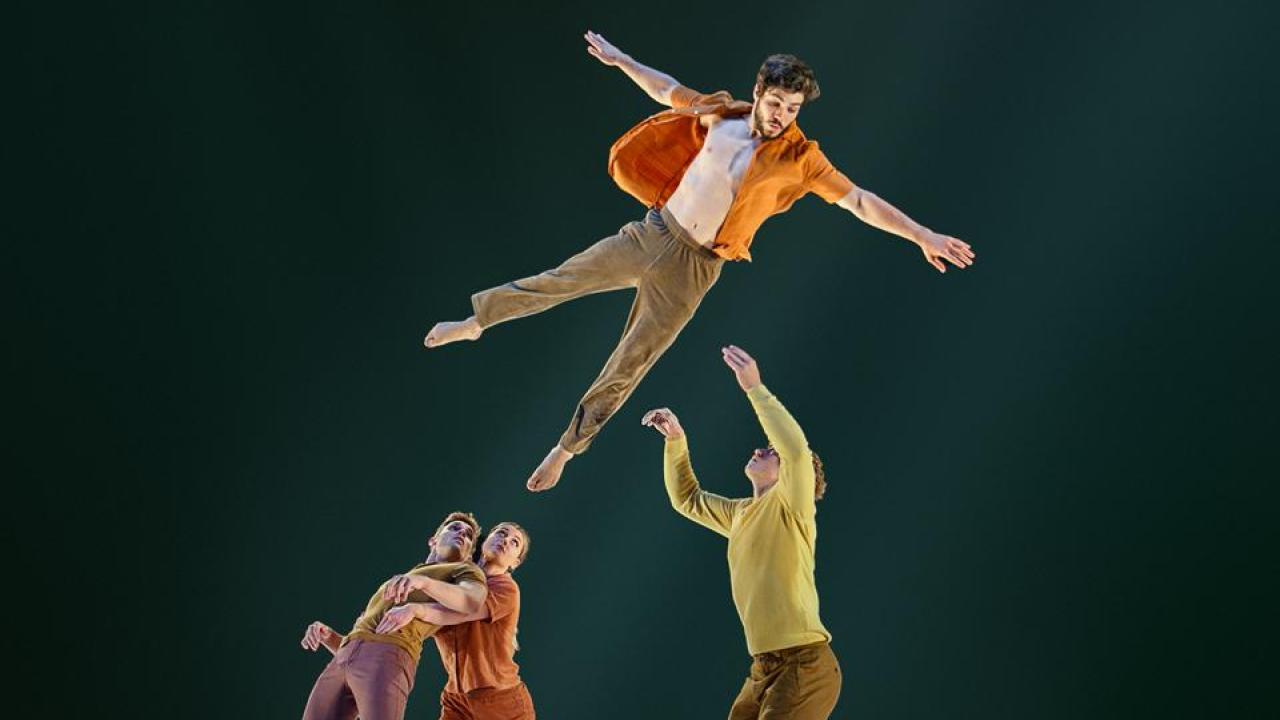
x=819 y=477
x=524 y=546
x=465 y=517
x=789 y=73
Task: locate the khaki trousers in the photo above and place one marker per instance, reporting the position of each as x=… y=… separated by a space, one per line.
x=513 y=703
x=800 y=683
x=369 y=679
x=670 y=273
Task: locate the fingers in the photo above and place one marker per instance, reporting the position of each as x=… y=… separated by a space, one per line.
x=655 y=416
x=311 y=638
x=736 y=357
x=955 y=251
x=397 y=589
x=936 y=263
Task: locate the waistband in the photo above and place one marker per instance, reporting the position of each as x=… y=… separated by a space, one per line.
x=787 y=653
x=489 y=694
x=678 y=232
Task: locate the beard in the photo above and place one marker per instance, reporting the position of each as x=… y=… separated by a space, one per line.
x=760 y=125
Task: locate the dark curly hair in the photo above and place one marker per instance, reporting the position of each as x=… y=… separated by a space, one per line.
x=788 y=73
x=819 y=477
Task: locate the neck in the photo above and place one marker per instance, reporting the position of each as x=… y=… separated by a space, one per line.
x=492 y=567
x=437 y=557
x=759 y=489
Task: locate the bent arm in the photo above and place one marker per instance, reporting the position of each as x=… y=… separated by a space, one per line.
x=437 y=614
x=465 y=597
x=878 y=213
x=333 y=641
x=687 y=497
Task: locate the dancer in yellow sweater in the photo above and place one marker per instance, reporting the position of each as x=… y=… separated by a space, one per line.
x=772 y=536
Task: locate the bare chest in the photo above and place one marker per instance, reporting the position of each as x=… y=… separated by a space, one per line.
x=728 y=149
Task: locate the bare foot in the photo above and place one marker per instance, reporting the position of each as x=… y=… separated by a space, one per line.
x=446 y=332
x=548 y=472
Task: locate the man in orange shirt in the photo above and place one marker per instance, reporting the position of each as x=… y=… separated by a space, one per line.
x=478 y=648
x=373 y=667
x=711 y=169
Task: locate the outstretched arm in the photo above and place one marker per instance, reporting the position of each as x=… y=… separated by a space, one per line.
x=656 y=85
x=795 y=474
x=876 y=212
x=687 y=497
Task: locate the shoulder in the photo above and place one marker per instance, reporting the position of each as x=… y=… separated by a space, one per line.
x=454 y=572
x=502 y=583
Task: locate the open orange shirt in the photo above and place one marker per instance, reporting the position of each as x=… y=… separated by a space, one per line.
x=481 y=653
x=649 y=161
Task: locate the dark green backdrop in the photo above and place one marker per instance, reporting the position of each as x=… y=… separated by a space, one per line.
x=1051 y=488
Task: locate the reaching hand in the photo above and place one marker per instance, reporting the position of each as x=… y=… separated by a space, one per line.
x=318 y=634
x=744 y=367
x=602 y=49
x=399 y=587
x=938 y=247
x=394 y=619
x=664 y=421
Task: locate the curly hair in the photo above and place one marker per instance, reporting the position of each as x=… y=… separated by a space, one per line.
x=819 y=477
x=788 y=73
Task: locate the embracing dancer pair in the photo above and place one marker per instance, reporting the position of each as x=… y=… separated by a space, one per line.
x=710 y=169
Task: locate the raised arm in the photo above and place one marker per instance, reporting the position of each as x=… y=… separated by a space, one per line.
x=687 y=497
x=657 y=85
x=795 y=474
x=876 y=212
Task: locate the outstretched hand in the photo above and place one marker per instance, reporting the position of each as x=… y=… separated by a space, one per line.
x=602 y=49
x=664 y=421
x=937 y=247
x=743 y=365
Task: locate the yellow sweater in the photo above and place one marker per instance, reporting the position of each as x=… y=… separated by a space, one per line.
x=771 y=538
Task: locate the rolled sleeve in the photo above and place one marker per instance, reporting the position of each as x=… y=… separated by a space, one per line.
x=503 y=599
x=683 y=97
x=823 y=179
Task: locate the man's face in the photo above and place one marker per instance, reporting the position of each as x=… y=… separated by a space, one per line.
x=774 y=110
x=762 y=468
x=504 y=545
x=456 y=539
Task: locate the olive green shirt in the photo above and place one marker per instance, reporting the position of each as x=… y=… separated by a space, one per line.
x=411 y=636
x=771 y=538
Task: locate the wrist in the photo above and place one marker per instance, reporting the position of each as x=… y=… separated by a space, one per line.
x=919 y=235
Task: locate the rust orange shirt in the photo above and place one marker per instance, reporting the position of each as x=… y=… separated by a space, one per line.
x=481 y=653
x=649 y=161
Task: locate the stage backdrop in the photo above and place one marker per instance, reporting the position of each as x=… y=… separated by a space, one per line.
x=1048 y=496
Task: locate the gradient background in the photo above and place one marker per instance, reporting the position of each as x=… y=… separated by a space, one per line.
x=1052 y=475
